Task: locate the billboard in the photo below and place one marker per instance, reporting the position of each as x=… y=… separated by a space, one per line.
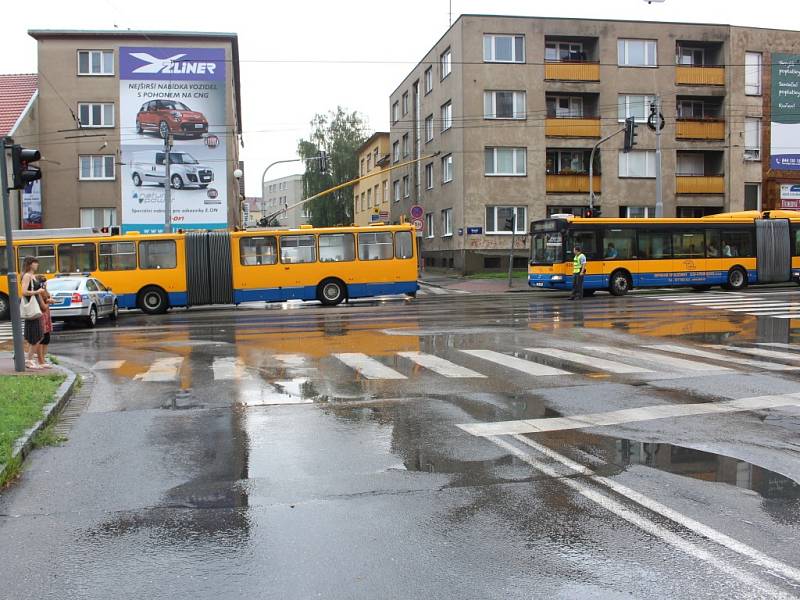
x=180 y=93
x=32 y=205
x=785 y=125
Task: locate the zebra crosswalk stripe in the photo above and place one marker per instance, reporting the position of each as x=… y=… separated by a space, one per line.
x=440 y=365
x=512 y=362
x=368 y=367
x=229 y=367
x=590 y=361
x=662 y=359
x=716 y=356
x=162 y=369
x=759 y=352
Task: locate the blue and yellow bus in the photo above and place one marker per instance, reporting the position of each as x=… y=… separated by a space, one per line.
x=732 y=250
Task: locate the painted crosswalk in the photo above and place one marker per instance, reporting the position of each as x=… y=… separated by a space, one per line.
x=6 y=332
x=439 y=365
x=434 y=290
x=757 y=364
x=777 y=305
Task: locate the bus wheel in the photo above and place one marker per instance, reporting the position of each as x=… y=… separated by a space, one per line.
x=4 y=306
x=737 y=279
x=619 y=283
x=153 y=300
x=331 y=292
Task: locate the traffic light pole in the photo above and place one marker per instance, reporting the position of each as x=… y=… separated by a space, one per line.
x=591 y=165
x=659 y=196
x=13 y=296
x=511 y=253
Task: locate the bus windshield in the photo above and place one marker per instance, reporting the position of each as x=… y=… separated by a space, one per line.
x=547 y=248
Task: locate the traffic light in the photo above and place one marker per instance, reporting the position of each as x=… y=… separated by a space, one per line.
x=22 y=170
x=323 y=161
x=591 y=213
x=630 y=134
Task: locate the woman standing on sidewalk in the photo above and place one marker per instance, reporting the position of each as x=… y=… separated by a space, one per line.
x=45 y=300
x=33 y=327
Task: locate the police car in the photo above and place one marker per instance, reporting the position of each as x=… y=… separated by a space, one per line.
x=81 y=298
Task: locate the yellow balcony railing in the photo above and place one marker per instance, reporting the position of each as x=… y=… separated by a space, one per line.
x=572 y=71
x=685 y=75
x=700 y=184
x=691 y=129
x=572 y=127
x=556 y=184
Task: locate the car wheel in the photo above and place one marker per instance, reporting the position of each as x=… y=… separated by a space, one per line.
x=163 y=129
x=91 y=320
x=619 y=283
x=139 y=129
x=4 y=306
x=737 y=279
x=153 y=301
x=137 y=180
x=114 y=315
x=177 y=182
x=331 y=292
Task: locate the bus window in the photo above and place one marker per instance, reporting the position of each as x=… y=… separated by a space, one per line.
x=587 y=240
x=337 y=247
x=654 y=245
x=375 y=246
x=262 y=250
x=80 y=257
x=619 y=244
x=45 y=254
x=3 y=261
x=796 y=234
x=547 y=248
x=117 y=256
x=403 y=244
x=713 y=243
x=158 y=254
x=298 y=249
x=735 y=243
x=688 y=244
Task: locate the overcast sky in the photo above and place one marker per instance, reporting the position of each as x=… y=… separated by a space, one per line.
x=280 y=98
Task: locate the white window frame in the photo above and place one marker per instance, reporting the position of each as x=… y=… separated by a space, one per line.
x=447 y=222
x=753 y=66
x=752 y=147
x=406 y=186
x=428 y=80
x=109 y=218
x=103 y=63
x=395 y=111
x=447 y=168
x=557 y=47
x=404 y=104
x=446 y=113
x=649 y=164
x=104 y=162
x=428 y=128
x=445 y=64
x=396 y=151
x=405 y=145
x=396 y=190
x=429 y=176
x=692 y=105
x=490 y=48
x=693 y=160
x=429 y=225
x=625 y=100
x=520 y=223
x=574 y=108
x=649 y=212
x=518 y=101
x=689 y=53
x=103 y=113
x=623 y=54
x=519 y=158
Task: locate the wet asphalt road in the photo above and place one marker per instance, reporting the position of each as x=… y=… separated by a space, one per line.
x=454 y=446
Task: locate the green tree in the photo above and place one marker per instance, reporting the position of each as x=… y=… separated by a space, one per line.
x=340 y=133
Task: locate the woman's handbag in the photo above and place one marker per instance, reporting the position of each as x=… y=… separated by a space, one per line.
x=29 y=308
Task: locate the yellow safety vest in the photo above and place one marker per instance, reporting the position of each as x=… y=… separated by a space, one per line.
x=576 y=264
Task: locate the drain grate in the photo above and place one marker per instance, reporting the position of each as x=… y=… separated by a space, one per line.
x=77 y=404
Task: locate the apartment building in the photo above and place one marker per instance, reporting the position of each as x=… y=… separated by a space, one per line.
x=280 y=196
x=507 y=110
x=371 y=195
x=107 y=99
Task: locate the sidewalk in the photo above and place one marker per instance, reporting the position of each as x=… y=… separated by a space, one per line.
x=454 y=281
x=7 y=366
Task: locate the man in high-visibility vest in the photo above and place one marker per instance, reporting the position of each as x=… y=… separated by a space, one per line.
x=578 y=271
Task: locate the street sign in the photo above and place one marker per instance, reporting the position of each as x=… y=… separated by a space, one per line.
x=474 y=230
x=384 y=215
x=374 y=218
x=418 y=224
x=417 y=212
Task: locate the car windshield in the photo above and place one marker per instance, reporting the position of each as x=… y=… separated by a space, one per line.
x=63 y=285
x=172 y=104
x=547 y=248
x=182 y=158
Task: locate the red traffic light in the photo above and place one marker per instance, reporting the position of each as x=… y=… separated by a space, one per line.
x=22 y=171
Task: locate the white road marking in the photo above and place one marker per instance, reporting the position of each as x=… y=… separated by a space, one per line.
x=439 y=365
x=759 y=352
x=226 y=368
x=629 y=415
x=589 y=361
x=756 y=557
x=764 y=306
x=102 y=365
x=716 y=356
x=664 y=360
x=512 y=362
x=773 y=311
x=780 y=345
x=787 y=316
x=163 y=369
x=721 y=301
x=291 y=360
x=368 y=367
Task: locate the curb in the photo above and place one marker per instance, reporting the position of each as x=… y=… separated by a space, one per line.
x=24 y=444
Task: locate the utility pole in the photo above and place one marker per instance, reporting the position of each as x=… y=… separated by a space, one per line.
x=511 y=252
x=167 y=184
x=659 y=127
x=591 y=164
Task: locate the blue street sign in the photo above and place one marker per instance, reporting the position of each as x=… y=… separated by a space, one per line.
x=474 y=230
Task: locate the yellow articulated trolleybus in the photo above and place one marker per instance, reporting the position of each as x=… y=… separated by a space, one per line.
x=731 y=250
x=160 y=271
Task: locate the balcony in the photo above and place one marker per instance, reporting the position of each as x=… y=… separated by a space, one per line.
x=691 y=75
x=567 y=183
x=572 y=71
x=587 y=127
x=700 y=129
x=700 y=184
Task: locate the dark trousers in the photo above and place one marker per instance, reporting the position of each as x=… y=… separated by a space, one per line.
x=577 y=286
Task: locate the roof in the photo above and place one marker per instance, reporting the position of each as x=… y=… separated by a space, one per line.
x=371 y=139
x=16 y=95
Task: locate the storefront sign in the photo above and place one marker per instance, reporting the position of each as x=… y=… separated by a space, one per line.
x=790 y=191
x=785 y=125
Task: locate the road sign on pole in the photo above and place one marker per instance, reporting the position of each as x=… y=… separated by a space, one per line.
x=417 y=211
x=419 y=225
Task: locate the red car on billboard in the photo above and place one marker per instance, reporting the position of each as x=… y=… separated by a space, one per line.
x=170 y=116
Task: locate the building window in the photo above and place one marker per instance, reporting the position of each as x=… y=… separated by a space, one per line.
x=95 y=167
x=503 y=105
x=447 y=168
x=363 y=202
x=637 y=212
x=429 y=128
x=406 y=186
x=447 y=222
x=564 y=51
x=445 y=63
x=637 y=163
x=636 y=106
x=97 y=114
x=396 y=190
x=428 y=80
x=385 y=191
x=691 y=57
x=369 y=162
x=395 y=112
x=752 y=138
x=429 y=225
x=375 y=155
x=361 y=168
x=447 y=115
x=498 y=219
x=98 y=217
x=429 y=176
x=636 y=53
x=567 y=162
x=690 y=164
x=404 y=103
x=752 y=196
x=396 y=151
x=752 y=73
x=505 y=161
x=504 y=48
x=564 y=106
x=95 y=62
x=405 y=145
x=306 y=214
x=369 y=198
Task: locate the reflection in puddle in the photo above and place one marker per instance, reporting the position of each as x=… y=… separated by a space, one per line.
x=299 y=390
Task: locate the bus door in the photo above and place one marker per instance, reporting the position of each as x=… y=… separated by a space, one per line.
x=619 y=251
x=773 y=250
x=689 y=257
x=589 y=241
x=656 y=266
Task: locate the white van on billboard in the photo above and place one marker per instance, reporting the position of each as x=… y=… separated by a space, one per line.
x=150 y=167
